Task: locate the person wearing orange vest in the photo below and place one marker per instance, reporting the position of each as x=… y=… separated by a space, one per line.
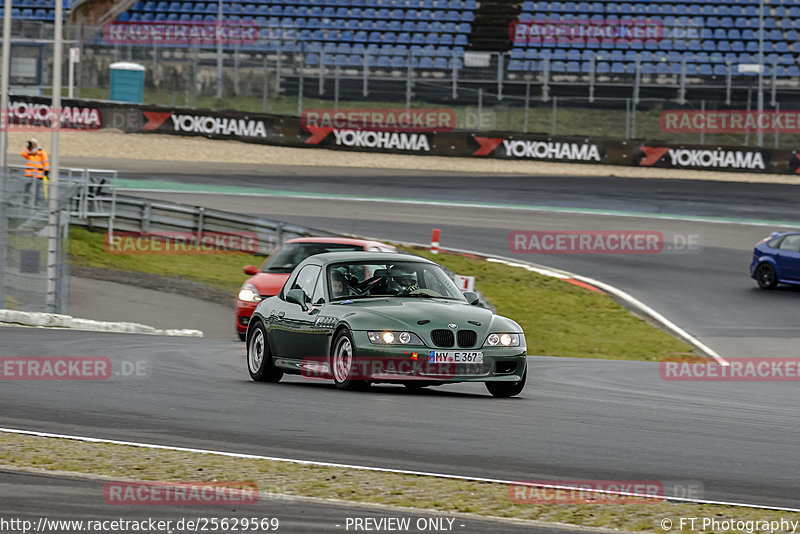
x=37 y=167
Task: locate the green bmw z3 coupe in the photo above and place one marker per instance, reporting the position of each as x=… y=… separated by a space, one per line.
x=360 y=318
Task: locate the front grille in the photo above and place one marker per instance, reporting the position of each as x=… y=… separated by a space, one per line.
x=467 y=338
x=443 y=338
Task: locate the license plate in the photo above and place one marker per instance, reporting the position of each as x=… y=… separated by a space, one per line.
x=437 y=356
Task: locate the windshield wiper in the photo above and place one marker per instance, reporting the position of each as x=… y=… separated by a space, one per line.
x=425 y=296
x=354 y=297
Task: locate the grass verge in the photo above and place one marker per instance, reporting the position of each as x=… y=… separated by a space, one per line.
x=561 y=319
x=221 y=271
x=276 y=479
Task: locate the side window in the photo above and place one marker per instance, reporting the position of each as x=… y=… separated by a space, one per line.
x=306 y=279
x=791 y=243
x=319 y=295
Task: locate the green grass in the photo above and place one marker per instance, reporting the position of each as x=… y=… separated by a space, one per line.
x=222 y=271
x=276 y=480
x=561 y=319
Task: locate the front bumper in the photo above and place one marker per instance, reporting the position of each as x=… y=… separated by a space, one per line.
x=393 y=363
x=244 y=311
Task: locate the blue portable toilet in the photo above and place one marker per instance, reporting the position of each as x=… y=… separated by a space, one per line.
x=127 y=82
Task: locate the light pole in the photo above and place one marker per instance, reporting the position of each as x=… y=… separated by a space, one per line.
x=760 y=134
x=4 y=121
x=53 y=304
x=219 y=50
x=4 y=118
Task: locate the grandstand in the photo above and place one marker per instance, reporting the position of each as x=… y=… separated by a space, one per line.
x=708 y=38
x=703 y=36
x=35 y=9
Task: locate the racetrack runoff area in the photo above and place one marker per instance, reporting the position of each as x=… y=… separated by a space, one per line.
x=527 y=165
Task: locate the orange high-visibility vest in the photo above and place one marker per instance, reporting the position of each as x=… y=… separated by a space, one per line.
x=37 y=163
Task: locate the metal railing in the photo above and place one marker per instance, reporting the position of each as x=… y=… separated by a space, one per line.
x=135 y=214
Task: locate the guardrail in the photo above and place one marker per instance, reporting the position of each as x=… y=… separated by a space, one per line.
x=135 y=214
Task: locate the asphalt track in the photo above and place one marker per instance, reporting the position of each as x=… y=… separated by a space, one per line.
x=578 y=419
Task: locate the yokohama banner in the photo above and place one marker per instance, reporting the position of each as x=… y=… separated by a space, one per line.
x=704 y=157
x=34 y=112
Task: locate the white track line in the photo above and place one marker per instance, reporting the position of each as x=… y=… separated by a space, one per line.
x=378 y=469
x=498 y=206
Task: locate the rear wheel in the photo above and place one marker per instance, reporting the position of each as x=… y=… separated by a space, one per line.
x=507 y=389
x=259 y=359
x=343 y=365
x=766 y=277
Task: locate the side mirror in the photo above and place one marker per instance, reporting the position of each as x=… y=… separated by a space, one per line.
x=472 y=297
x=296 y=296
x=250 y=269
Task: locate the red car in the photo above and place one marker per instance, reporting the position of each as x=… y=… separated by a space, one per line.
x=269 y=280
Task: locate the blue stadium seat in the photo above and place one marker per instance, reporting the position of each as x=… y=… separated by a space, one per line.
x=648 y=68
x=440 y=63
x=603 y=68
x=720 y=70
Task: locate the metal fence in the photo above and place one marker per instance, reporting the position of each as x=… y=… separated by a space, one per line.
x=24 y=242
x=598 y=93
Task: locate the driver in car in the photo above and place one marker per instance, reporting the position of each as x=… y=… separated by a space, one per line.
x=339 y=286
x=401 y=280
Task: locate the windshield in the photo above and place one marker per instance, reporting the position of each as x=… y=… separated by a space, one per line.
x=397 y=279
x=289 y=256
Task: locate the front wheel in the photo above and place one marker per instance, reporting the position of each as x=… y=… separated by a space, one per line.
x=766 y=277
x=343 y=364
x=259 y=359
x=507 y=389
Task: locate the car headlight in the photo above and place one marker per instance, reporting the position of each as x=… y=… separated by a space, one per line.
x=394 y=338
x=249 y=293
x=502 y=340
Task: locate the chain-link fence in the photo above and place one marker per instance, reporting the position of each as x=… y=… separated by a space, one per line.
x=27 y=282
x=606 y=93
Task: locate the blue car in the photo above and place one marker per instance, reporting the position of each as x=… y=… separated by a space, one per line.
x=776 y=260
